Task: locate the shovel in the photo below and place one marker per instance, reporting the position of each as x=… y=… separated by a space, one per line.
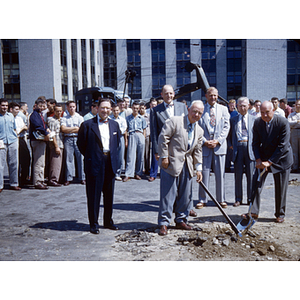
x=246 y=224
x=232 y=225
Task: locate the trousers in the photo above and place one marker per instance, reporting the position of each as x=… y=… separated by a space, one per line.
x=9 y=154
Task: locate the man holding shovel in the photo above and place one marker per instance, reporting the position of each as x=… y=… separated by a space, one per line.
x=272 y=151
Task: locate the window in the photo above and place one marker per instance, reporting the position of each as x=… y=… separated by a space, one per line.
x=134 y=64
x=183 y=54
x=74 y=66
x=64 y=73
x=92 y=54
x=110 y=63
x=208 y=53
x=158 y=66
x=11 y=72
x=83 y=63
x=293 y=71
x=234 y=68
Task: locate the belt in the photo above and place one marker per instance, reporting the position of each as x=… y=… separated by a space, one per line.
x=135 y=131
x=243 y=141
x=106 y=153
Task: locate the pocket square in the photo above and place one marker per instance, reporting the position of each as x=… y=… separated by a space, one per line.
x=114 y=132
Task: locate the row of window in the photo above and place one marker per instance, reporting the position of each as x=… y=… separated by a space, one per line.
x=11 y=76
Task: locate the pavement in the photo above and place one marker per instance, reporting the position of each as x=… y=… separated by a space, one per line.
x=52 y=225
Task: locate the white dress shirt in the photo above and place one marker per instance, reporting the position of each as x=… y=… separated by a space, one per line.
x=104 y=133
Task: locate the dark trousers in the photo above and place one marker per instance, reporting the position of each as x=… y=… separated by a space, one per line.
x=242 y=161
x=95 y=185
x=24 y=161
x=281 y=180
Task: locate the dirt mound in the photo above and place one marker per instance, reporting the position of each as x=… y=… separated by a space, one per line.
x=212 y=241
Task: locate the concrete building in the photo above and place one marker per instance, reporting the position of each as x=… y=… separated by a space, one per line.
x=57 y=68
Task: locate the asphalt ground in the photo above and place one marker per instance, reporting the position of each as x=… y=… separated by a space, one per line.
x=52 y=226
x=38 y=225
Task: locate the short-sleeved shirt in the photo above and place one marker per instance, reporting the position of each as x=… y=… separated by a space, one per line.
x=54 y=125
x=7 y=128
x=71 y=121
x=137 y=123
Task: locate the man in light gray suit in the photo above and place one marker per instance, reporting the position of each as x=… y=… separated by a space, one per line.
x=240 y=141
x=180 y=151
x=215 y=123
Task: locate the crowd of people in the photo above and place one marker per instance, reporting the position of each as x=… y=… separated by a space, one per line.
x=50 y=147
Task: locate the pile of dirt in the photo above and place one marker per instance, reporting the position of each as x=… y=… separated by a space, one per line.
x=212 y=241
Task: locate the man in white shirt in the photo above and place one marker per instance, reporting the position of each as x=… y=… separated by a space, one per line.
x=240 y=141
x=24 y=154
x=69 y=126
x=277 y=109
x=123 y=126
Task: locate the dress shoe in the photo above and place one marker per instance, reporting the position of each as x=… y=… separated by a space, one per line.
x=66 y=183
x=279 y=220
x=237 y=203
x=125 y=179
x=246 y=216
x=223 y=204
x=193 y=213
x=118 y=178
x=111 y=227
x=53 y=183
x=183 y=226
x=137 y=177
x=1 y=190
x=82 y=182
x=163 y=230
x=15 y=188
x=200 y=205
x=151 y=179
x=41 y=187
x=94 y=230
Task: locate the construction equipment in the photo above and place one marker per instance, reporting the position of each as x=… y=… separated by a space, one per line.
x=201 y=83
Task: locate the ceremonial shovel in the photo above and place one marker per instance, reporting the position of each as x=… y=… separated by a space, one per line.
x=247 y=223
x=232 y=225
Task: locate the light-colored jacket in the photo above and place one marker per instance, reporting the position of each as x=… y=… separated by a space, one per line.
x=221 y=129
x=173 y=143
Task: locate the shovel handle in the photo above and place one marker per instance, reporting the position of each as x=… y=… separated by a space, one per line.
x=232 y=225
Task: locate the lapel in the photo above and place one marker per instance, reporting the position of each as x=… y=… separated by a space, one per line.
x=163 y=112
x=95 y=129
x=185 y=133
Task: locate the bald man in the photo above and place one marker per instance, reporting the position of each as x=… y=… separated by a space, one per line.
x=272 y=150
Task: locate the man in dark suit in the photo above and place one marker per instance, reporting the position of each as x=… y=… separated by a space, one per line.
x=272 y=150
x=163 y=112
x=240 y=141
x=99 y=141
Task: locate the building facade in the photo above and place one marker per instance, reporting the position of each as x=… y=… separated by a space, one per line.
x=58 y=68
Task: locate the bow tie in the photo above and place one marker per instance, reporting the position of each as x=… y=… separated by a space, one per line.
x=170 y=105
x=103 y=121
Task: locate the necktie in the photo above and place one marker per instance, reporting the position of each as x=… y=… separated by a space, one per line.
x=212 y=117
x=244 y=129
x=42 y=117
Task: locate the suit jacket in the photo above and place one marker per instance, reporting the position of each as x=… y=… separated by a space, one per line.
x=158 y=117
x=233 y=139
x=275 y=145
x=173 y=143
x=90 y=146
x=221 y=129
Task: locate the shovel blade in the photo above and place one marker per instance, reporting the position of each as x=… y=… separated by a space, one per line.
x=245 y=224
